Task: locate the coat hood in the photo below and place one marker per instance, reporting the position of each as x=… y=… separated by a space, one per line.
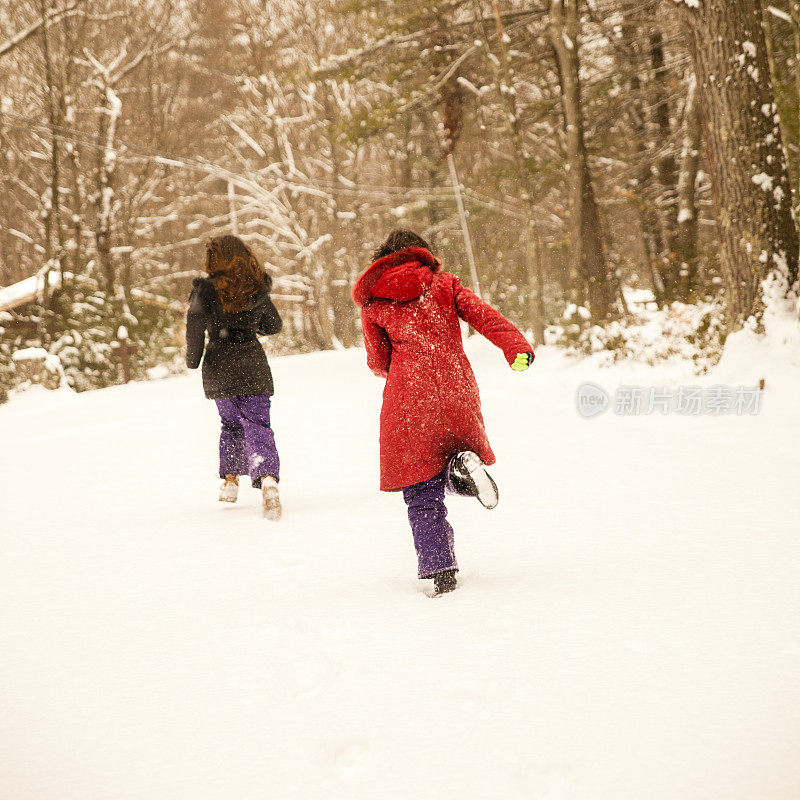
x=400 y=276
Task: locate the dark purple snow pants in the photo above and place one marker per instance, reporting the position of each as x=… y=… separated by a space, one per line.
x=247 y=443
x=433 y=534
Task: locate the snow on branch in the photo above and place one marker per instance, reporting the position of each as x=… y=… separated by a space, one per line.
x=334 y=63
x=776 y=12
x=470 y=87
x=25 y=238
x=246 y=137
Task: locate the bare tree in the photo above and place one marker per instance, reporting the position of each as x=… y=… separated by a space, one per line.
x=587 y=238
x=687 y=222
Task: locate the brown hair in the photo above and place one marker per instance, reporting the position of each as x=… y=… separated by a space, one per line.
x=235 y=273
x=399 y=239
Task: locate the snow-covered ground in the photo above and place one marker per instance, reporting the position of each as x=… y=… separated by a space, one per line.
x=628 y=627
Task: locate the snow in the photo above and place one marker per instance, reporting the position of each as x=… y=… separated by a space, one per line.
x=30 y=354
x=776 y=356
x=763 y=181
x=754 y=73
x=683 y=333
x=628 y=625
x=25 y=290
x=573 y=310
x=780 y=14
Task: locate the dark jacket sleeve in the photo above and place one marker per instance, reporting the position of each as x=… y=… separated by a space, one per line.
x=270 y=321
x=195 y=330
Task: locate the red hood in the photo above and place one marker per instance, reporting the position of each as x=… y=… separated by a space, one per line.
x=400 y=276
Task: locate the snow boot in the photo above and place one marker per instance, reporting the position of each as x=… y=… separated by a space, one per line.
x=229 y=491
x=469 y=477
x=271 y=501
x=444 y=582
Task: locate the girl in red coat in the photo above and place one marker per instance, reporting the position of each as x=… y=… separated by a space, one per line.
x=432 y=434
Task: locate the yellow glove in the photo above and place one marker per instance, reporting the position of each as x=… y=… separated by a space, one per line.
x=522 y=362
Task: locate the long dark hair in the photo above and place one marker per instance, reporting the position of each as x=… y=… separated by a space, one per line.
x=399 y=239
x=235 y=272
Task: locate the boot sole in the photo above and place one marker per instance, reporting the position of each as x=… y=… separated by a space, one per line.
x=488 y=496
x=441 y=594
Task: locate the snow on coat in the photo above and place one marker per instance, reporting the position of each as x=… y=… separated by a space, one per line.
x=410 y=313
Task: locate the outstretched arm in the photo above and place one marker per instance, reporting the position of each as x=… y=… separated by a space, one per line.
x=379 y=348
x=492 y=324
x=195 y=331
x=271 y=321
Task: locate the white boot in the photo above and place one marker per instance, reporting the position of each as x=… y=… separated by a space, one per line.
x=229 y=491
x=271 y=499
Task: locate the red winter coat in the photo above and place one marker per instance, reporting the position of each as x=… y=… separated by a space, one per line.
x=431 y=407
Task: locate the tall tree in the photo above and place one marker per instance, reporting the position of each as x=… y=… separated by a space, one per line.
x=747 y=163
x=686 y=235
x=587 y=238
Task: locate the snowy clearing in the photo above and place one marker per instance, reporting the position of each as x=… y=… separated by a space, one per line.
x=628 y=625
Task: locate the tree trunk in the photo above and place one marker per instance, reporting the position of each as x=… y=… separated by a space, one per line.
x=774 y=71
x=338 y=289
x=77 y=203
x=749 y=176
x=665 y=163
x=322 y=308
x=536 y=309
x=110 y=108
x=405 y=145
x=796 y=19
x=586 y=230
x=686 y=234
x=52 y=211
x=53 y=90
x=642 y=194
x=505 y=85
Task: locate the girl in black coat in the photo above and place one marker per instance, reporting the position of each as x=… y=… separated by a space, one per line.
x=233 y=306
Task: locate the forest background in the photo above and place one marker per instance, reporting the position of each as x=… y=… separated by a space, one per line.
x=623 y=166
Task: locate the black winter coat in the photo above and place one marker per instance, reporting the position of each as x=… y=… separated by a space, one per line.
x=235 y=363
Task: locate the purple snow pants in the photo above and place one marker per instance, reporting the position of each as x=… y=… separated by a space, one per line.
x=433 y=534
x=247 y=443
